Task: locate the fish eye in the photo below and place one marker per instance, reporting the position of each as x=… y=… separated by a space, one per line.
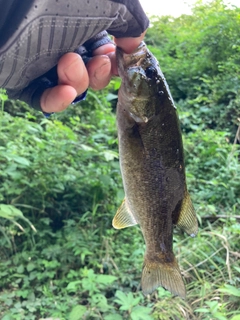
x=150 y=71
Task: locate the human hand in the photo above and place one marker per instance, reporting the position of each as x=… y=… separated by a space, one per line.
x=74 y=77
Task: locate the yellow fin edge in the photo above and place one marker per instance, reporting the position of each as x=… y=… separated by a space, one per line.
x=124 y=217
x=187 y=220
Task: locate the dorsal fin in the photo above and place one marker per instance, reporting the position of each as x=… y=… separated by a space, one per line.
x=124 y=217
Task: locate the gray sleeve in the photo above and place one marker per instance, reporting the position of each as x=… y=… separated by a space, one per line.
x=50 y=29
x=131 y=20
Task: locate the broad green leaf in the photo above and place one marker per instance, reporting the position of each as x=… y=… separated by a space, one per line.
x=110 y=155
x=8 y=211
x=113 y=317
x=77 y=312
x=7 y=317
x=21 y=160
x=213 y=305
x=3 y=95
x=20 y=269
x=204 y=310
x=141 y=313
x=230 y=290
x=105 y=279
x=126 y=301
x=237 y=268
x=237 y=317
x=111 y=97
x=100 y=301
x=87 y=148
x=31 y=266
x=73 y=286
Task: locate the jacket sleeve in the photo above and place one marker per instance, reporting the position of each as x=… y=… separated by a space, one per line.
x=131 y=20
x=29 y=57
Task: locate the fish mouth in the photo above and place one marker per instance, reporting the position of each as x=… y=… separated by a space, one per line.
x=136 y=66
x=135 y=58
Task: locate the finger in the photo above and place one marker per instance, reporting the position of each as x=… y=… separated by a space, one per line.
x=128 y=45
x=72 y=71
x=108 y=49
x=58 y=98
x=99 y=71
x=105 y=49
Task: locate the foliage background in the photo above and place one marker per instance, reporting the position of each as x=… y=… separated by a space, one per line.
x=62 y=176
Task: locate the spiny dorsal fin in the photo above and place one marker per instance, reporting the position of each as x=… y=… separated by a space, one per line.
x=166 y=275
x=124 y=217
x=187 y=219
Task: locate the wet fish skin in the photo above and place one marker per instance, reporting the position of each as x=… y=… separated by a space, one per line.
x=152 y=167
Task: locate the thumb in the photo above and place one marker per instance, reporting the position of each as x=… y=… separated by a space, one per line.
x=128 y=45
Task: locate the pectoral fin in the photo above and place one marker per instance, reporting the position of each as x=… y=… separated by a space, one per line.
x=187 y=219
x=124 y=217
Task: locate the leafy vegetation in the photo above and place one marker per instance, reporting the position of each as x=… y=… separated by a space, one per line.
x=199 y=56
x=61 y=177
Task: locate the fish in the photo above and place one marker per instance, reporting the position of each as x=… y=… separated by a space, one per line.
x=152 y=167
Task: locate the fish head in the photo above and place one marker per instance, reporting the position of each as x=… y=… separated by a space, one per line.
x=142 y=82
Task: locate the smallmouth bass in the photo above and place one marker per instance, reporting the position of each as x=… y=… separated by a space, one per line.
x=152 y=168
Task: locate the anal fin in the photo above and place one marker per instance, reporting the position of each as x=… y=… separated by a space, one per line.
x=187 y=218
x=124 y=217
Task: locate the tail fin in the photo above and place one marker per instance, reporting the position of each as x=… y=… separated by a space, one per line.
x=166 y=275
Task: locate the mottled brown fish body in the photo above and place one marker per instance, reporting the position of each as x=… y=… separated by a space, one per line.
x=152 y=167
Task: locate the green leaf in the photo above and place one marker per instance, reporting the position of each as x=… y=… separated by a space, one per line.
x=237 y=268
x=230 y=290
x=141 y=313
x=126 y=301
x=7 y=317
x=113 y=317
x=105 y=279
x=73 y=286
x=100 y=301
x=20 y=269
x=31 y=266
x=8 y=211
x=77 y=312
x=204 y=310
x=87 y=148
x=3 y=95
x=237 y=317
x=21 y=160
x=111 y=97
x=110 y=155
x=122 y=299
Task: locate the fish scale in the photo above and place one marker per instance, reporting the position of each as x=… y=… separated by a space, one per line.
x=152 y=168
